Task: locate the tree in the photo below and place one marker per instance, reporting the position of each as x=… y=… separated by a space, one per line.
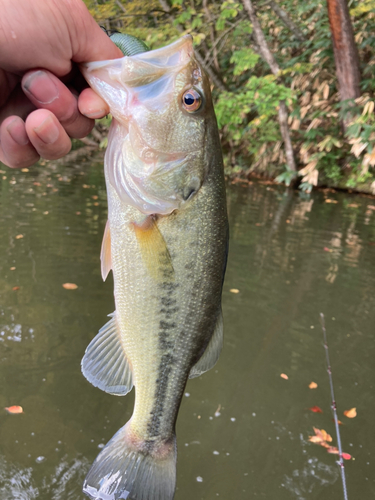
x=345 y=50
x=267 y=55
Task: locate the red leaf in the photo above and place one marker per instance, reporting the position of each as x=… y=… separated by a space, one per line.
x=14 y=409
x=316 y=409
x=346 y=456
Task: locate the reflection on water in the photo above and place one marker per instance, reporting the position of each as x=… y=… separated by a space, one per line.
x=243 y=430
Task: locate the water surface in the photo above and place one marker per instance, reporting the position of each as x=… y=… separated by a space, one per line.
x=242 y=430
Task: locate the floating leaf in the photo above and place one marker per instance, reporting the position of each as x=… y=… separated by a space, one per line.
x=313 y=385
x=15 y=288
x=326 y=249
x=234 y=290
x=321 y=436
x=282 y=375
x=350 y=413
x=316 y=409
x=19 y=236
x=335 y=451
x=70 y=286
x=14 y=409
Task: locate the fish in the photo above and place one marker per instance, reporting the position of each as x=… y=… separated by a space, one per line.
x=166 y=242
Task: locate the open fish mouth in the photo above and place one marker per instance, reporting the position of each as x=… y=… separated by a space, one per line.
x=176 y=54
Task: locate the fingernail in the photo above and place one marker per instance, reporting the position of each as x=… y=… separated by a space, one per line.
x=96 y=114
x=47 y=131
x=17 y=133
x=41 y=87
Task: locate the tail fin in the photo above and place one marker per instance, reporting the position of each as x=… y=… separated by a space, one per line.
x=120 y=472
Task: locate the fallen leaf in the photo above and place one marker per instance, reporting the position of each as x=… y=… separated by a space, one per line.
x=46 y=212
x=353 y=205
x=94 y=196
x=313 y=385
x=322 y=434
x=315 y=439
x=329 y=200
x=316 y=409
x=282 y=375
x=70 y=286
x=234 y=290
x=37 y=183
x=78 y=213
x=335 y=451
x=350 y=413
x=326 y=249
x=338 y=421
x=371 y=207
x=14 y=409
x=13 y=268
x=15 y=288
x=19 y=236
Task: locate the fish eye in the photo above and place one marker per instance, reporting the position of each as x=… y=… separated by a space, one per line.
x=191 y=100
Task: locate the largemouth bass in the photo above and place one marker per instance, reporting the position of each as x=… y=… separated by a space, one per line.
x=166 y=243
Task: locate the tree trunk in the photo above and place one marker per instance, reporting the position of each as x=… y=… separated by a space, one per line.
x=345 y=50
x=267 y=55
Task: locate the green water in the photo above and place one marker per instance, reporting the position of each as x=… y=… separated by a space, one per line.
x=242 y=429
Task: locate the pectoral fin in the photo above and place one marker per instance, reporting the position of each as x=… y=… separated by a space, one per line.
x=105 y=254
x=212 y=352
x=154 y=249
x=105 y=364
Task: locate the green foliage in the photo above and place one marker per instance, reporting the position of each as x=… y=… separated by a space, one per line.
x=243 y=60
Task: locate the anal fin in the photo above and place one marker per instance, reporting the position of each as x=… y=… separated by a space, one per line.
x=212 y=352
x=105 y=254
x=105 y=364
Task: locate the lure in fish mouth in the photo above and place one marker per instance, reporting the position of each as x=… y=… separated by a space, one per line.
x=166 y=243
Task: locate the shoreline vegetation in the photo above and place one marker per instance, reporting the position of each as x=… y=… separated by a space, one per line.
x=293 y=81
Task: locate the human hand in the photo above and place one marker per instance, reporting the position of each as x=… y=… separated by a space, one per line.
x=40 y=109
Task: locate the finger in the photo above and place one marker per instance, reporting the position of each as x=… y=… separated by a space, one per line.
x=91 y=105
x=47 y=135
x=16 y=150
x=46 y=91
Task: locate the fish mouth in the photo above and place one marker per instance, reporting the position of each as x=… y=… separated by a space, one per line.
x=148 y=66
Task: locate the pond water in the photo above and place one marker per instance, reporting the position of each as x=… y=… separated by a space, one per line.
x=243 y=429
